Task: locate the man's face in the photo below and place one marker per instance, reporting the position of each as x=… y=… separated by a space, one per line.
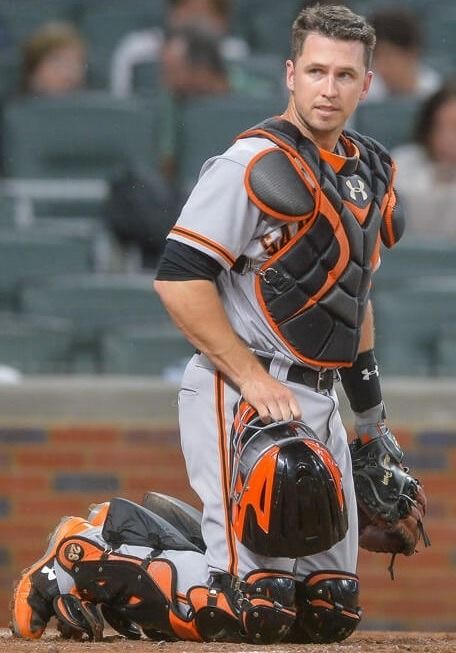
x=327 y=81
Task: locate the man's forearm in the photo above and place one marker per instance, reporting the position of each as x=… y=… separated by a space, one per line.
x=197 y=310
x=367 y=338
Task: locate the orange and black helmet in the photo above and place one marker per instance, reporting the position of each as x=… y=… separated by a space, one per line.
x=286 y=491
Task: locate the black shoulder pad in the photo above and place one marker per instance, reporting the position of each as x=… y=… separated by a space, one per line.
x=274 y=183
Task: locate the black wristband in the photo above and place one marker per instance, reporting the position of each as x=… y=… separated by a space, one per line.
x=361 y=382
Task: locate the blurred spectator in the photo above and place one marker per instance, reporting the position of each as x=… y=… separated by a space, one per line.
x=191 y=66
x=399 y=68
x=192 y=63
x=143 y=46
x=426 y=175
x=53 y=60
x=142 y=208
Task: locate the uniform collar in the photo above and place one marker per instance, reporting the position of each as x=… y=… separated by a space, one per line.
x=342 y=163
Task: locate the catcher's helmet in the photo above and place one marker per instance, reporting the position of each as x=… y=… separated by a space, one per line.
x=286 y=490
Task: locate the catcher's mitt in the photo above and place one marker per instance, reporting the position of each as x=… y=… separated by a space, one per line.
x=391 y=503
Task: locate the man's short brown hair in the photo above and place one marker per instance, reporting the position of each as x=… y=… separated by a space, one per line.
x=335 y=22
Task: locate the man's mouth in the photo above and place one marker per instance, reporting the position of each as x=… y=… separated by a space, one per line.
x=326 y=109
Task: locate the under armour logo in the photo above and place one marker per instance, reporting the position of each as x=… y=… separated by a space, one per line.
x=368 y=373
x=49 y=572
x=357 y=189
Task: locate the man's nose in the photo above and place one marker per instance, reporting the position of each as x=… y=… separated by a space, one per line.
x=330 y=89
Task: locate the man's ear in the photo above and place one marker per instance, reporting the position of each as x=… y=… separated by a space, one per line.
x=290 y=74
x=366 y=85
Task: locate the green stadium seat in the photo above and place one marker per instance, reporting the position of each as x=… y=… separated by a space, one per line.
x=105 y=22
x=389 y=121
x=27 y=255
x=9 y=74
x=208 y=126
x=145 y=351
x=85 y=135
x=445 y=364
x=266 y=24
x=94 y=304
x=441 y=35
x=86 y=232
x=409 y=323
x=146 y=77
x=258 y=75
x=22 y=17
x=35 y=345
x=8 y=218
x=412 y=258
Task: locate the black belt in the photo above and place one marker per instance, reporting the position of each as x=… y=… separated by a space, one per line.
x=318 y=380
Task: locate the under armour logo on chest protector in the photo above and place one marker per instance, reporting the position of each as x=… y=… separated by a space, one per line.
x=356 y=190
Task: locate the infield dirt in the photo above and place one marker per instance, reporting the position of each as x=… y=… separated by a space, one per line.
x=361 y=642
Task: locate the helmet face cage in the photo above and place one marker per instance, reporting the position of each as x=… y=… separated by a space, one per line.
x=286 y=490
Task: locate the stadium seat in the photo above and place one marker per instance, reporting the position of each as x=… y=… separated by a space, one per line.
x=86 y=135
x=146 y=77
x=9 y=73
x=146 y=350
x=22 y=17
x=94 y=304
x=105 y=22
x=34 y=345
x=415 y=257
x=441 y=36
x=206 y=127
x=28 y=255
x=445 y=363
x=84 y=232
x=409 y=322
x=7 y=212
x=258 y=75
x=389 y=121
x=265 y=24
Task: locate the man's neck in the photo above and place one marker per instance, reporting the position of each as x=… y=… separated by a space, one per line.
x=324 y=140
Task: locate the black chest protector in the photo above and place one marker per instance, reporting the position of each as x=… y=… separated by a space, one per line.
x=314 y=289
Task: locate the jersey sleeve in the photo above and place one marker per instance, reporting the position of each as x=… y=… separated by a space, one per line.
x=218 y=218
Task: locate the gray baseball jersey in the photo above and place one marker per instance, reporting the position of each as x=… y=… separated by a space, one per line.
x=219 y=220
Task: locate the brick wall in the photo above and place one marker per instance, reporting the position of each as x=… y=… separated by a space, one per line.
x=423 y=594
x=49 y=471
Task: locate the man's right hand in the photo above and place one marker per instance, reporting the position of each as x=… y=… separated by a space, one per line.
x=272 y=400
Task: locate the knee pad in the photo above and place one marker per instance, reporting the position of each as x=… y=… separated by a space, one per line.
x=269 y=612
x=143 y=592
x=327 y=608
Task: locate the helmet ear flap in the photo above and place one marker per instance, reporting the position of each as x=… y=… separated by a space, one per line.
x=285 y=481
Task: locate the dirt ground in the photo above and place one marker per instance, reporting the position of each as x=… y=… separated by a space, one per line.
x=361 y=642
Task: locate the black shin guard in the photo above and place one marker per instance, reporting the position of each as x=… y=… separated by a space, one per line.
x=327 y=608
x=270 y=611
x=218 y=608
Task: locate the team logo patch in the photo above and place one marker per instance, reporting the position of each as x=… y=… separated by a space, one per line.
x=73 y=552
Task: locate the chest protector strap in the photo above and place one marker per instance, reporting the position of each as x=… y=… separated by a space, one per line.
x=314 y=289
